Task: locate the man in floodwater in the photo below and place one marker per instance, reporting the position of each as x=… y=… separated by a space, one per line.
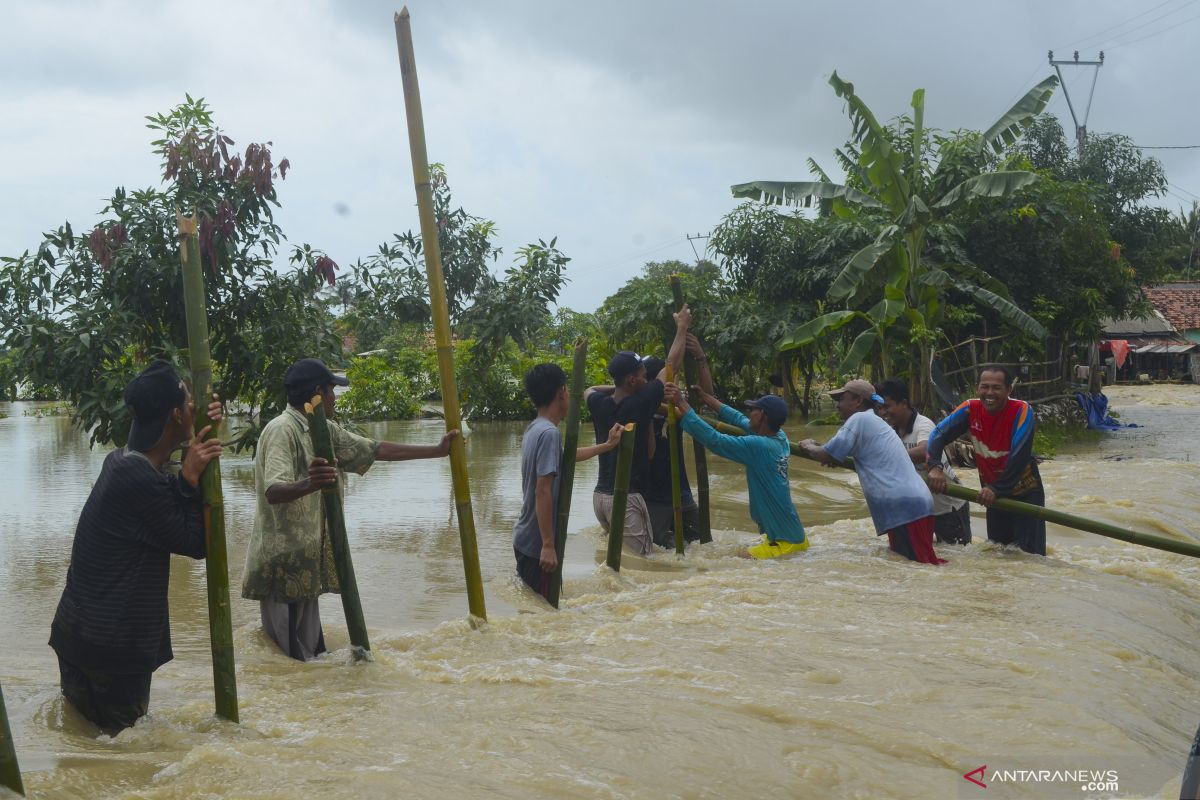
x=1001 y=430
x=631 y=398
x=112 y=629
x=541 y=460
x=289 y=560
x=898 y=499
x=657 y=488
x=951 y=516
x=764 y=454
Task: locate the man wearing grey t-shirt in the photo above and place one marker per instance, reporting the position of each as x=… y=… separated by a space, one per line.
x=541 y=457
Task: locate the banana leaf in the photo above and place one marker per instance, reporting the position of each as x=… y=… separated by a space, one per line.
x=857 y=268
x=989 y=184
x=1012 y=124
x=801 y=193
x=815 y=328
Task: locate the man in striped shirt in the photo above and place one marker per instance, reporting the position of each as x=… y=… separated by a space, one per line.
x=112 y=628
x=1001 y=430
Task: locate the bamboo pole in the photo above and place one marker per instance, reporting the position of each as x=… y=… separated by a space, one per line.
x=220 y=619
x=440 y=313
x=702 y=498
x=335 y=525
x=1040 y=512
x=10 y=771
x=566 y=470
x=673 y=446
x=616 y=521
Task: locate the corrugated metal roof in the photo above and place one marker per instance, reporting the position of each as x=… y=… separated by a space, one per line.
x=1153 y=325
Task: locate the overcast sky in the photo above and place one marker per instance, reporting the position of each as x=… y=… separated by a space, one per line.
x=616 y=127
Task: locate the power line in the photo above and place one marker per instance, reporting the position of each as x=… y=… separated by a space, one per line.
x=1171 y=147
x=1119 y=24
x=1147 y=23
x=1167 y=29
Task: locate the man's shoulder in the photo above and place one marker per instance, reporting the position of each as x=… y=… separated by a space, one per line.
x=541 y=428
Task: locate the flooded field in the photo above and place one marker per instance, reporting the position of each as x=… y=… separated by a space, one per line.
x=846 y=672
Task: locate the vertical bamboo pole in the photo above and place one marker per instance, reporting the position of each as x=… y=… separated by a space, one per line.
x=335 y=525
x=441 y=315
x=673 y=446
x=220 y=620
x=616 y=524
x=10 y=771
x=702 y=497
x=566 y=470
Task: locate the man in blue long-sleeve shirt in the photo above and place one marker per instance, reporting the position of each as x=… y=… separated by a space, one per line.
x=764 y=454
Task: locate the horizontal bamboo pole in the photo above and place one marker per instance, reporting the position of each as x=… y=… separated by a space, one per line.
x=1040 y=512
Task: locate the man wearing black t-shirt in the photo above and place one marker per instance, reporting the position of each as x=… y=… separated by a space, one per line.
x=634 y=399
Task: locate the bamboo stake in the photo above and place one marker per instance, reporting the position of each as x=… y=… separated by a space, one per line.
x=220 y=619
x=441 y=316
x=10 y=771
x=1040 y=512
x=566 y=470
x=673 y=445
x=616 y=523
x=335 y=524
x=702 y=498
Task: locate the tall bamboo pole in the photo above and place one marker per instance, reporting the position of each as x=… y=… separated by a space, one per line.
x=566 y=470
x=702 y=498
x=673 y=446
x=335 y=526
x=10 y=771
x=1039 y=512
x=441 y=315
x=220 y=620
x=616 y=520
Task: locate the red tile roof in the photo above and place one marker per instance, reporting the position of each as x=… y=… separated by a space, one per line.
x=1178 y=302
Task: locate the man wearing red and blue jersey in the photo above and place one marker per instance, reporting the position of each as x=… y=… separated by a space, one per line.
x=1001 y=429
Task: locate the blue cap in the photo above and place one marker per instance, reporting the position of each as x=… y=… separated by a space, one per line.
x=773 y=406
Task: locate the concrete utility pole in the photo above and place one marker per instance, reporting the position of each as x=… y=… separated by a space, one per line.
x=1080 y=128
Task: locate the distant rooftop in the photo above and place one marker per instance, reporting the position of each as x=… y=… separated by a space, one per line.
x=1152 y=325
x=1178 y=302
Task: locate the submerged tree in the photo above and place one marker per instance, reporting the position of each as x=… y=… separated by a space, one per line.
x=904 y=182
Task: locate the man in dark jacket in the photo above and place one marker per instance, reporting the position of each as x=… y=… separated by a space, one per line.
x=111 y=629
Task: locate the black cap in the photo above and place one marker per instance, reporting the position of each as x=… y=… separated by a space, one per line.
x=654 y=365
x=623 y=364
x=311 y=372
x=151 y=396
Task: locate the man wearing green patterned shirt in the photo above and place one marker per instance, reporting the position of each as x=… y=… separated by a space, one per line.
x=289 y=560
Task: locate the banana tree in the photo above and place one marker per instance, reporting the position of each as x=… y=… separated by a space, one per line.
x=906 y=181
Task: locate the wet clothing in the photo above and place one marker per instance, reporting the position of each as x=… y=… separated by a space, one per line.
x=953 y=527
x=895 y=493
x=638 y=408
x=290 y=556
x=541 y=455
x=636 y=536
x=1004 y=454
x=112 y=702
x=529 y=568
x=766 y=461
x=112 y=619
x=295 y=627
x=662 y=522
x=914 y=541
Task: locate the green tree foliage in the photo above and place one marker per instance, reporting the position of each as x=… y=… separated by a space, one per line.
x=1120 y=180
x=905 y=182
x=85 y=312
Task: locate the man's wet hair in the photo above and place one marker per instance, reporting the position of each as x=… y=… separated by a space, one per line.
x=893 y=389
x=1008 y=375
x=542 y=383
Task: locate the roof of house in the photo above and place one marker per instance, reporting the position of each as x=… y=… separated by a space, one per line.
x=1153 y=324
x=1178 y=302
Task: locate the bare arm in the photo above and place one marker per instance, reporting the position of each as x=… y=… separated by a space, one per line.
x=683 y=320
x=320 y=475
x=544 y=508
x=917 y=454
x=591 y=451
x=703 y=375
x=603 y=389
x=816 y=452
x=394 y=451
